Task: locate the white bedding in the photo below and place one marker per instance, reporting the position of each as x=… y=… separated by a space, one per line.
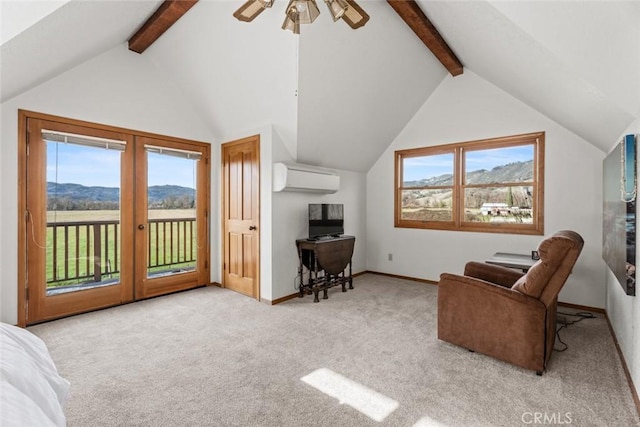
x=31 y=390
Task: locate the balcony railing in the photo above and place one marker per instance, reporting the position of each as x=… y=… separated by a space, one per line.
x=89 y=251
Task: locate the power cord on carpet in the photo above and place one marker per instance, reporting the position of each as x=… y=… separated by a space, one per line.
x=580 y=317
x=300 y=279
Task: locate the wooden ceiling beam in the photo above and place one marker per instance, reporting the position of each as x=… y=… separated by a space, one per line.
x=161 y=20
x=415 y=18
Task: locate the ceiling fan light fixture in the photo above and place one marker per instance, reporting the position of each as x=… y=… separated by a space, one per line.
x=292 y=21
x=252 y=8
x=307 y=10
x=355 y=16
x=337 y=8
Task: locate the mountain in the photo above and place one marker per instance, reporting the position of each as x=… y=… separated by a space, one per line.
x=77 y=192
x=163 y=192
x=80 y=192
x=511 y=172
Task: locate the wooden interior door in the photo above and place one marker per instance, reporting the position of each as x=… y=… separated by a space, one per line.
x=241 y=223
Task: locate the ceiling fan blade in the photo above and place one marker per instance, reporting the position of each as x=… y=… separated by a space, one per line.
x=248 y=11
x=355 y=16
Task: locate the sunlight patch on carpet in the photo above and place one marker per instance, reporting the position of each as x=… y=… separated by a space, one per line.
x=428 y=422
x=361 y=398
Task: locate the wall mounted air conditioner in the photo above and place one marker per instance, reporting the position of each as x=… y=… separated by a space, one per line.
x=297 y=177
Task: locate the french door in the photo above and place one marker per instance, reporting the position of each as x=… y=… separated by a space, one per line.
x=172 y=242
x=108 y=216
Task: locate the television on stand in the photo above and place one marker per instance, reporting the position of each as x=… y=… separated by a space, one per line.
x=326 y=220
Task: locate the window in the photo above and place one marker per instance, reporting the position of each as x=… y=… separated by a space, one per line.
x=493 y=185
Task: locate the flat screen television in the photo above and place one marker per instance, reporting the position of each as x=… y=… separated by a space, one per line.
x=326 y=219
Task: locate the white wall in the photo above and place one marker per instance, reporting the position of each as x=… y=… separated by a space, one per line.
x=290 y=222
x=467 y=108
x=283 y=216
x=553 y=55
x=118 y=88
x=624 y=310
x=359 y=88
x=236 y=74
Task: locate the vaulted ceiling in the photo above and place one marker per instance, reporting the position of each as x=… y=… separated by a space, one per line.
x=61 y=38
x=576 y=62
x=336 y=96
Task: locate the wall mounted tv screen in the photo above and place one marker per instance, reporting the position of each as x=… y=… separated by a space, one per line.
x=326 y=219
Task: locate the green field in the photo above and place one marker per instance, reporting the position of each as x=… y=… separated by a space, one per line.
x=76 y=244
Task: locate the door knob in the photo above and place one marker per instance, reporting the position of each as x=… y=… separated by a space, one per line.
x=253 y=227
x=141 y=227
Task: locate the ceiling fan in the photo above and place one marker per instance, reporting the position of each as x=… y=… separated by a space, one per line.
x=305 y=12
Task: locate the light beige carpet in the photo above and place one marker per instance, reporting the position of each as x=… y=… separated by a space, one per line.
x=368 y=357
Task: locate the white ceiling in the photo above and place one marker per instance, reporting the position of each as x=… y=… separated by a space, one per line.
x=238 y=74
x=576 y=62
x=358 y=89
x=337 y=97
x=17 y=16
x=63 y=38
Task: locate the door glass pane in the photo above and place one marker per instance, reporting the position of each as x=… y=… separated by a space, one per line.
x=83 y=216
x=171 y=202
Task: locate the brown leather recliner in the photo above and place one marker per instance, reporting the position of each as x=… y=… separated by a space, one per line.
x=504 y=313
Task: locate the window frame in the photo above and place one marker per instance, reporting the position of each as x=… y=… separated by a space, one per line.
x=537 y=139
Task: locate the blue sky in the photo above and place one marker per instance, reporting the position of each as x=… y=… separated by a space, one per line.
x=100 y=167
x=417 y=168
